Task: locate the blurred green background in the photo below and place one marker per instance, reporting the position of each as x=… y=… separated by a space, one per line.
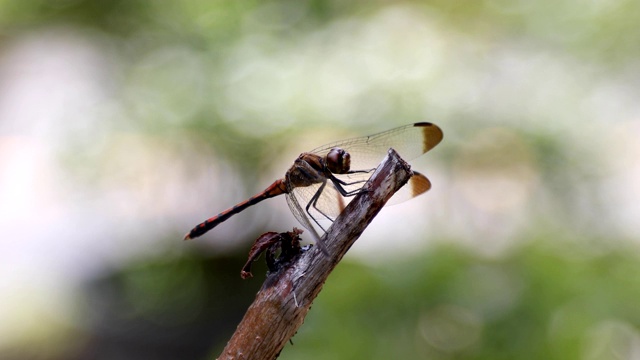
x=125 y=123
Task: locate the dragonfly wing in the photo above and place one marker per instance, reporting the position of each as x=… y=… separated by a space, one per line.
x=319 y=204
x=417 y=184
x=316 y=205
x=298 y=211
x=410 y=141
x=328 y=205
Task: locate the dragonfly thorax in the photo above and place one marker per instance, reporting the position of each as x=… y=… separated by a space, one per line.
x=338 y=161
x=308 y=169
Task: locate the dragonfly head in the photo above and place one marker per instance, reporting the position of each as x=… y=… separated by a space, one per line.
x=338 y=161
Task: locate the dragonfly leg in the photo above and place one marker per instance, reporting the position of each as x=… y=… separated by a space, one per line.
x=360 y=171
x=339 y=184
x=313 y=202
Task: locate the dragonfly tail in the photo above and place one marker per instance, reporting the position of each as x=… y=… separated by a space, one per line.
x=275 y=189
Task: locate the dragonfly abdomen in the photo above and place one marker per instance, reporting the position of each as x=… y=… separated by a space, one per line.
x=275 y=189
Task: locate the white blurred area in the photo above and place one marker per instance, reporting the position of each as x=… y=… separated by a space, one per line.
x=85 y=186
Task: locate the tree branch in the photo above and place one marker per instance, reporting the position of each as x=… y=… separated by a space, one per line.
x=286 y=296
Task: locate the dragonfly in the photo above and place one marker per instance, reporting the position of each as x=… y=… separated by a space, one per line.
x=321 y=182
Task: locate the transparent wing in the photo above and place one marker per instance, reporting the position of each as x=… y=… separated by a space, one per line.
x=410 y=141
x=417 y=184
x=330 y=203
x=323 y=211
x=325 y=202
x=298 y=211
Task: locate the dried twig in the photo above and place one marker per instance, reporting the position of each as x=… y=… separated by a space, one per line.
x=286 y=296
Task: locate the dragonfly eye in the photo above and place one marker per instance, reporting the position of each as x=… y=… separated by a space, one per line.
x=338 y=161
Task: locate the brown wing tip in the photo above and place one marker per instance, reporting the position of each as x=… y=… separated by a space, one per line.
x=432 y=135
x=419 y=184
x=187 y=237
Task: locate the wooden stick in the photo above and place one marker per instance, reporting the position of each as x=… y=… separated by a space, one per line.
x=286 y=296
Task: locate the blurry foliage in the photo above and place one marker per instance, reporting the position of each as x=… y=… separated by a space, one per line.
x=534 y=304
x=603 y=30
x=448 y=303
x=164 y=308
